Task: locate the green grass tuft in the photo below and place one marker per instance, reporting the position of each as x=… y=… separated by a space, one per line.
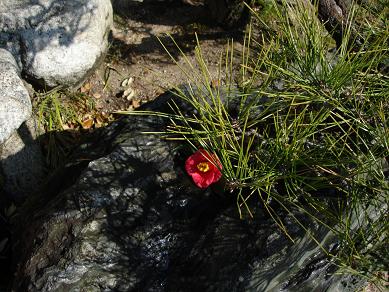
x=309 y=129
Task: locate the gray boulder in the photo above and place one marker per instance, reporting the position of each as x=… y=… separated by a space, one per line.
x=124 y=216
x=15 y=104
x=57 y=42
x=22 y=163
x=54 y=42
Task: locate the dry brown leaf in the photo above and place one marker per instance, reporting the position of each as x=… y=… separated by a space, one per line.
x=99 y=120
x=159 y=91
x=88 y=123
x=85 y=88
x=136 y=103
x=215 y=83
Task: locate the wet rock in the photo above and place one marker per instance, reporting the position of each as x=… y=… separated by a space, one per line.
x=56 y=42
x=124 y=216
x=15 y=104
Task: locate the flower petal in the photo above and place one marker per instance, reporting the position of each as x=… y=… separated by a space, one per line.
x=200 y=181
x=203 y=179
x=191 y=165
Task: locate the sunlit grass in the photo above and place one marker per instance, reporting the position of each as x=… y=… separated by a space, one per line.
x=57 y=111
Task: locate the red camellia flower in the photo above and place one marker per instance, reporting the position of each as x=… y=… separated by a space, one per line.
x=201 y=167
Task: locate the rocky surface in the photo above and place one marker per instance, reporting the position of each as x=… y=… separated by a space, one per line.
x=123 y=216
x=15 y=104
x=56 y=42
x=53 y=43
x=22 y=163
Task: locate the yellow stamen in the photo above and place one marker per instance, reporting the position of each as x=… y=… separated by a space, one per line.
x=203 y=166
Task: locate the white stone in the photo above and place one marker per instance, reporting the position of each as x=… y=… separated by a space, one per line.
x=15 y=104
x=22 y=163
x=59 y=41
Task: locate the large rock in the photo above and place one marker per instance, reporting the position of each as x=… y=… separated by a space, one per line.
x=15 y=104
x=53 y=42
x=124 y=216
x=57 y=42
x=22 y=163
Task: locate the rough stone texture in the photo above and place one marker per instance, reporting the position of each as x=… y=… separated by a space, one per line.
x=57 y=42
x=22 y=163
x=15 y=104
x=124 y=216
x=54 y=42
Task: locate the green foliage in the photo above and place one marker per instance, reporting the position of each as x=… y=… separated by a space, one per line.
x=57 y=110
x=309 y=128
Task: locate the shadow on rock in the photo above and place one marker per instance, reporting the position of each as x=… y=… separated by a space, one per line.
x=50 y=39
x=124 y=216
